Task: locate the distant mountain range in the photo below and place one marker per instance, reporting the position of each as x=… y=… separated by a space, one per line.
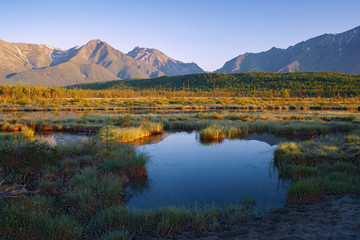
x=325 y=53
x=33 y=64
x=43 y=65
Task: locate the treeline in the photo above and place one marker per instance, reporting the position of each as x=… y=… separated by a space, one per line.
x=24 y=94
x=257 y=84
x=300 y=84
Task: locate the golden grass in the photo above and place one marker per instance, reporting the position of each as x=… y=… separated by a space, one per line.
x=129 y=134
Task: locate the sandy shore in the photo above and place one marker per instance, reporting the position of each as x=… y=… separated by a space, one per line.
x=333 y=217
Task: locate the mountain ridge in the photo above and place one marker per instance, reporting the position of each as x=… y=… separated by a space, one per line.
x=164 y=63
x=324 y=53
x=34 y=64
x=44 y=65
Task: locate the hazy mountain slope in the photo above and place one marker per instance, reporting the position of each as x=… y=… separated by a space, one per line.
x=164 y=63
x=19 y=57
x=61 y=75
x=328 y=53
x=44 y=65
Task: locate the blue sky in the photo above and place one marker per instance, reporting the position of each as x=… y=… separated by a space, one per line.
x=208 y=32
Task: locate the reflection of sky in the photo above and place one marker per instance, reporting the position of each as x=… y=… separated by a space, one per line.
x=183 y=171
x=59 y=137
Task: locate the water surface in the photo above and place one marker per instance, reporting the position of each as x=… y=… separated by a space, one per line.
x=183 y=171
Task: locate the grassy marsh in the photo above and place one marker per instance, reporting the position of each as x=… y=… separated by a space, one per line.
x=323 y=166
x=170 y=101
x=82 y=184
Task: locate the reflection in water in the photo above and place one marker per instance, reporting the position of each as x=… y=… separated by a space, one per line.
x=268 y=138
x=183 y=171
x=209 y=142
x=54 y=138
x=58 y=137
x=152 y=139
x=136 y=187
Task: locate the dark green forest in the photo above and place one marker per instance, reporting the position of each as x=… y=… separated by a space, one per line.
x=309 y=84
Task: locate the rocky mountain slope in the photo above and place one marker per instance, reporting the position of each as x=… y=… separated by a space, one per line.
x=33 y=64
x=328 y=53
x=164 y=63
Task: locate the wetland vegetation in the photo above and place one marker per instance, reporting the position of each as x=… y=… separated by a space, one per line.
x=246 y=91
x=77 y=189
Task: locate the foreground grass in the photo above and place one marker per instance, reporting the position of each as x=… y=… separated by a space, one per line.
x=324 y=166
x=37 y=217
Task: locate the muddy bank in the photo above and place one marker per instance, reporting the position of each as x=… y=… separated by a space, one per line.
x=333 y=217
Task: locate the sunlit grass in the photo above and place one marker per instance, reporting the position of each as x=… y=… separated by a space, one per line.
x=212 y=132
x=324 y=166
x=129 y=134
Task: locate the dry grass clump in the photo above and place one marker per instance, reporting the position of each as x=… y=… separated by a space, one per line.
x=212 y=132
x=129 y=134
